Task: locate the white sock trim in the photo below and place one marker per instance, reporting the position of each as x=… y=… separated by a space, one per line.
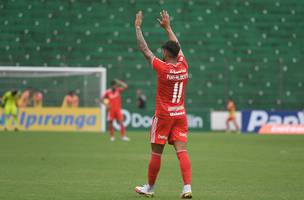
x=187 y=188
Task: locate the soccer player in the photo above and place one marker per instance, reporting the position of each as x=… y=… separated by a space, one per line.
x=70 y=100
x=24 y=100
x=112 y=100
x=10 y=105
x=37 y=99
x=170 y=121
x=231 y=117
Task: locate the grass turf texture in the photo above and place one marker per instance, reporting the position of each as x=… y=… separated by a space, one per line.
x=74 y=166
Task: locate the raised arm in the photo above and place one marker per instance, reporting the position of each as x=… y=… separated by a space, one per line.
x=140 y=38
x=121 y=83
x=165 y=24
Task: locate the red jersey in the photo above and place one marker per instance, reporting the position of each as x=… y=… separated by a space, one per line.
x=71 y=101
x=171 y=83
x=114 y=98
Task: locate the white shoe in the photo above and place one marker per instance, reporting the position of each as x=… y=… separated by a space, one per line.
x=145 y=190
x=187 y=193
x=125 y=138
x=112 y=139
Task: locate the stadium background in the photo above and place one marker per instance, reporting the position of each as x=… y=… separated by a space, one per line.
x=249 y=50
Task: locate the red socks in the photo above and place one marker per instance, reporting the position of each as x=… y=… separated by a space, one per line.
x=122 y=130
x=184 y=163
x=154 y=167
x=185 y=166
x=111 y=129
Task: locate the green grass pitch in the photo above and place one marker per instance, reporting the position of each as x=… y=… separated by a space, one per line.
x=87 y=166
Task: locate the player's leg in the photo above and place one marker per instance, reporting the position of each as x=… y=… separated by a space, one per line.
x=119 y=118
x=227 y=124
x=111 y=130
x=7 y=111
x=153 y=169
x=155 y=162
x=110 y=125
x=158 y=137
x=236 y=125
x=14 y=113
x=178 y=138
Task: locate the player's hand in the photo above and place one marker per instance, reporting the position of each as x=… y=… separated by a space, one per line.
x=138 y=20
x=165 y=20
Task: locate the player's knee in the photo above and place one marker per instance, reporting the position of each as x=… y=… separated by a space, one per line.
x=180 y=146
x=157 y=148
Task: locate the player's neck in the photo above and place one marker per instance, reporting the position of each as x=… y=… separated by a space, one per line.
x=171 y=61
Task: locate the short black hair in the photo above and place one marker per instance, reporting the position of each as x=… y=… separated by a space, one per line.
x=72 y=92
x=14 y=92
x=113 y=82
x=173 y=47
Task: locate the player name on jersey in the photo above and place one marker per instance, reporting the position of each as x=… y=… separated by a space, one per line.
x=177 y=77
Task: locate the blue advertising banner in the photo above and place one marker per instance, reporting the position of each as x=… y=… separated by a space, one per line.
x=252 y=120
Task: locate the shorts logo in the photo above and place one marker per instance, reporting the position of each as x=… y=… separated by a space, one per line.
x=183 y=134
x=162 y=137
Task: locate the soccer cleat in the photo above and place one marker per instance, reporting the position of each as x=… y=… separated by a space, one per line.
x=186 y=195
x=125 y=138
x=145 y=190
x=112 y=139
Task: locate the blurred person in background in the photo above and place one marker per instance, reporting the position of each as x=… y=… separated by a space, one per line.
x=112 y=100
x=70 y=100
x=140 y=100
x=231 y=117
x=10 y=105
x=25 y=99
x=37 y=99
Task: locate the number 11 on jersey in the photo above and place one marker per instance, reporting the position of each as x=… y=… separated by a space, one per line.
x=177 y=92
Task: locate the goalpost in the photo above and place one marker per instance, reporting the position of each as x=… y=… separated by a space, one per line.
x=89 y=83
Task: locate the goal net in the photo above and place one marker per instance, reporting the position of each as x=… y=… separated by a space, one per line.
x=55 y=82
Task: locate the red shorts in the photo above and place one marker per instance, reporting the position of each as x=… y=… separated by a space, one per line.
x=168 y=129
x=115 y=114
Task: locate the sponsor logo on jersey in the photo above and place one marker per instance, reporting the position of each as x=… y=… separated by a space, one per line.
x=172 y=71
x=252 y=121
x=175 y=108
x=162 y=137
x=177 y=113
x=183 y=134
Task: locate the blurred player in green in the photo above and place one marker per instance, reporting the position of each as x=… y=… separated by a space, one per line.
x=10 y=105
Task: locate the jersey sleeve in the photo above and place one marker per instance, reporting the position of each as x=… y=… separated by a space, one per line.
x=158 y=65
x=120 y=89
x=105 y=95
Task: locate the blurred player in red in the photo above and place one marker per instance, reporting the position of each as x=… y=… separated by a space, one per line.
x=37 y=99
x=170 y=120
x=112 y=100
x=231 y=117
x=70 y=100
x=24 y=100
